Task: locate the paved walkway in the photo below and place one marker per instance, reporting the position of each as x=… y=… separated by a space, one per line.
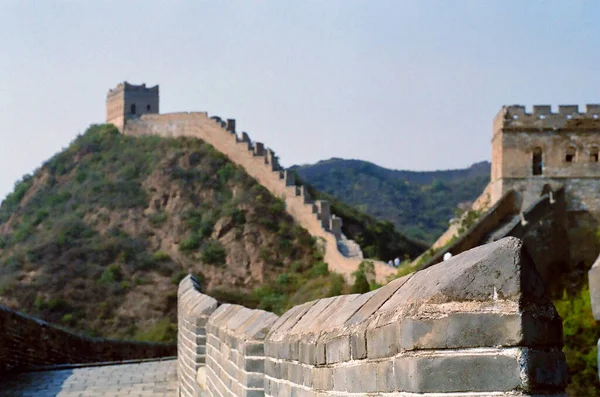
x=154 y=378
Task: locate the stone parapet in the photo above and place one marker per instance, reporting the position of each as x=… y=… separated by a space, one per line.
x=27 y=343
x=478 y=324
x=543 y=118
x=193 y=311
x=235 y=351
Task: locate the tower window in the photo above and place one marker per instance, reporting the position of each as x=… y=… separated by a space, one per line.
x=594 y=155
x=570 y=155
x=537 y=165
x=148 y=107
x=133 y=108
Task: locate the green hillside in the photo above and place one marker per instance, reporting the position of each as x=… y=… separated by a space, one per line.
x=418 y=203
x=98 y=237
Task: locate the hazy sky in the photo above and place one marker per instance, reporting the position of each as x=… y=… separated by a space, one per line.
x=404 y=84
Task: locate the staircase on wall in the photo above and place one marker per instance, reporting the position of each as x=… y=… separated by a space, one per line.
x=342 y=254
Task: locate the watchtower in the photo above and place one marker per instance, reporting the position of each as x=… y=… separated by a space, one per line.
x=129 y=101
x=541 y=150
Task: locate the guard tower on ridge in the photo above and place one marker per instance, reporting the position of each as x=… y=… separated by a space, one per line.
x=129 y=101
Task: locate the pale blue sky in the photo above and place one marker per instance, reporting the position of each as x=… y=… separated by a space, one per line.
x=404 y=84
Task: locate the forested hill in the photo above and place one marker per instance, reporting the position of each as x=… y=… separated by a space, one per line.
x=418 y=203
x=99 y=236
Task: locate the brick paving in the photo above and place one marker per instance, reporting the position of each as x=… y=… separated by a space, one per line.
x=153 y=378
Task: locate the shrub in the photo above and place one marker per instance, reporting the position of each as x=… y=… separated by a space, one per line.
x=177 y=277
x=225 y=172
x=111 y=273
x=190 y=244
x=161 y=256
x=162 y=331
x=67 y=319
x=337 y=285
x=158 y=218
x=213 y=253
x=319 y=269
x=581 y=333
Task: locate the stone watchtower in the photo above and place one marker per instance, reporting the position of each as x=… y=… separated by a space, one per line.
x=542 y=149
x=129 y=101
x=540 y=152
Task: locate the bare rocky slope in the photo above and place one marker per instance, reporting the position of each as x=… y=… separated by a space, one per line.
x=98 y=238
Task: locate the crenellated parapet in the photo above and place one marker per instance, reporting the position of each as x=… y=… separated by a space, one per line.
x=266 y=157
x=261 y=162
x=542 y=117
x=480 y=324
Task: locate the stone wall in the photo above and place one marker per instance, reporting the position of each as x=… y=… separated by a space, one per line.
x=517 y=134
x=27 y=343
x=260 y=163
x=503 y=210
x=193 y=311
x=542 y=226
x=235 y=351
x=478 y=324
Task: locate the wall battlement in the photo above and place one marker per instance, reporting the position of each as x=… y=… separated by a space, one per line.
x=261 y=163
x=125 y=86
x=478 y=324
x=541 y=117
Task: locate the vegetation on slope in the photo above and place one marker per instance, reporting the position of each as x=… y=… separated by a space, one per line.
x=419 y=204
x=99 y=237
x=580 y=330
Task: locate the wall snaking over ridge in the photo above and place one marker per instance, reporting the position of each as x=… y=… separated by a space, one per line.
x=477 y=324
x=261 y=163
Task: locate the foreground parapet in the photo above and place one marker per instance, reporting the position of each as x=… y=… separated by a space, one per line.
x=478 y=324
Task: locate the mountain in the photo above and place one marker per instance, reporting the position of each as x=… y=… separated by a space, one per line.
x=418 y=203
x=99 y=236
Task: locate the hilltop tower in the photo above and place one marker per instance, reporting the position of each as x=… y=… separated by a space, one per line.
x=130 y=101
x=540 y=152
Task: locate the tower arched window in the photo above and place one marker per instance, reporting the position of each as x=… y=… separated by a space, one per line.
x=133 y=109
x=594 y=154
x=148 y=107
x=537 y=161
x=570 y=154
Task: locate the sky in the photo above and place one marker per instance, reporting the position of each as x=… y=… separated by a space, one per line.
x=404 y=84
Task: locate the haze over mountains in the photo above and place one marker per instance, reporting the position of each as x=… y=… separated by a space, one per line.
x=418 y=203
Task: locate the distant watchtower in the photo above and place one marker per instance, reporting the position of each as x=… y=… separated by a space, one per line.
x=537 y=152
x=129 y=101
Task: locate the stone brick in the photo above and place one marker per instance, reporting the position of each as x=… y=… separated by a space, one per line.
x=446 y=373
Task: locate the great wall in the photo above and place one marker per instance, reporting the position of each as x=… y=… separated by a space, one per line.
x=477 y=324
x=261 y=163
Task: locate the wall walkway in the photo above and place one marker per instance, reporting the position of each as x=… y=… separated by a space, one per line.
x=261 y=163
x=478 y=324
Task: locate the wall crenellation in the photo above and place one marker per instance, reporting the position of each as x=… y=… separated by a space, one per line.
x=543 y=116
x=478 y=324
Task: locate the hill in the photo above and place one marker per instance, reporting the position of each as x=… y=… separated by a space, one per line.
x=98 y=238
x=418 y=203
